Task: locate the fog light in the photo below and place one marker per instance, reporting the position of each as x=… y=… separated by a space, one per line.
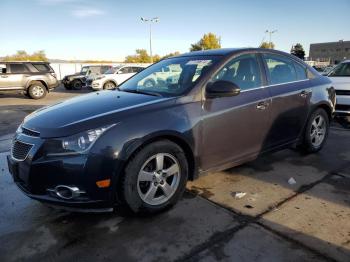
x=103 y=183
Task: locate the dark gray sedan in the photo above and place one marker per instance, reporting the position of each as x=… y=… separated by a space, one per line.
x=139 y=144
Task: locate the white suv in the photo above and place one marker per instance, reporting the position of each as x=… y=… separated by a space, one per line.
x=340 y=76
x=115 y=76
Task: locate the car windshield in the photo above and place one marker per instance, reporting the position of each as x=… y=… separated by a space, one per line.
x=83 y=70
x=112 y=70
x=170 y=77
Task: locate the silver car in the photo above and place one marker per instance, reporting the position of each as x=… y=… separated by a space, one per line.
x=340 y=76
x=34 y=79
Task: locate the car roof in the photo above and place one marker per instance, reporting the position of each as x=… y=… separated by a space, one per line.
x=229 y=51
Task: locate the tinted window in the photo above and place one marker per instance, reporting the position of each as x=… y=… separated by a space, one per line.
x=137 y=69
x=242 y=71
x=280 y=69
x=341 y=70
x=41 y=67
x=2 y=69
x=18 y=68
x=301 y=71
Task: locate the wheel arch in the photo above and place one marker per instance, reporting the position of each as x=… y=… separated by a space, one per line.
x=173 y=137
x=30 y=82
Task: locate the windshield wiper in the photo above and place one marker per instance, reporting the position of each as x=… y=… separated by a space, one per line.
x=139 y=92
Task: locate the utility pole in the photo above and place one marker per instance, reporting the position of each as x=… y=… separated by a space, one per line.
x=150 y=21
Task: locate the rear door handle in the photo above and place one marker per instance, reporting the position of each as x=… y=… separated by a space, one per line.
x=262 y=105
x=304 y=93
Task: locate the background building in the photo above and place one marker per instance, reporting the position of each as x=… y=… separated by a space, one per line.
x=332 y=52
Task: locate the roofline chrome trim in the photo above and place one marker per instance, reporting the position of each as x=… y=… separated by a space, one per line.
x=260 y=87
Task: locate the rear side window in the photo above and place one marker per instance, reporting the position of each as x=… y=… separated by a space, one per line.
x=341 y=70
x=244 y=71
x=42 y=67
x=18 y=68
x=301 y=71
x=280 y=69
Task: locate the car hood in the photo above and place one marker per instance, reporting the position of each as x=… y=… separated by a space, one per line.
x=74 y=75
x=86 y=112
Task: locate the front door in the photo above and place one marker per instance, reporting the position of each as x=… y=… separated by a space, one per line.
x=235 y=128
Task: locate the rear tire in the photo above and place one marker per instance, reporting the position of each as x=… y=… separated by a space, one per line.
x=37 y=90
x=155 y=178
x=67 y=86
x=316 y=131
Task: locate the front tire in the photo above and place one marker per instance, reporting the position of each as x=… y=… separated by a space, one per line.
x=37 y=90
x=316 y=131
x=109 y=85
x=155 y=178
x=77 y=84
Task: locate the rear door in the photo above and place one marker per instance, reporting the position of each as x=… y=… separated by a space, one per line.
x=235 y=128
x=290 y=92
x=17 y=75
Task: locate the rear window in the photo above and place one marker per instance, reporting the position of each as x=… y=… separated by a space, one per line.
x=280 y=69
x=42 y=67
x=18 y=68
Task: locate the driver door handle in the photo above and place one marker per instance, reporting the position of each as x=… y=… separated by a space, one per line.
x=304 y=93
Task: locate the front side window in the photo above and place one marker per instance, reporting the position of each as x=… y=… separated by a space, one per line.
x=125 y=70
x=280 y=69
x=342 y=69
x=243 y=71
x=18 y=68
x=161 y=79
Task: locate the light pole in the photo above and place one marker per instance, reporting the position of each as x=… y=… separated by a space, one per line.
x=150 y=21
x=270 y=32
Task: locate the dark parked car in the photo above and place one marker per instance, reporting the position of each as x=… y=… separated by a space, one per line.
x=34 y=79
x=138 y=145
x=78 y=80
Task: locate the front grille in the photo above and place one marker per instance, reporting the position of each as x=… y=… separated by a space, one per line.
x=20 y=150
x=342 y=92
x=29 y=132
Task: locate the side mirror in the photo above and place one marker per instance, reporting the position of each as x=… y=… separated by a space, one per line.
x=221 y=88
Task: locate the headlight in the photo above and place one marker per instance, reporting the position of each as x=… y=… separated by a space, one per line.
x=75 y=144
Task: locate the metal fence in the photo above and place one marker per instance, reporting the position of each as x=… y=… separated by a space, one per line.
x=62 y=69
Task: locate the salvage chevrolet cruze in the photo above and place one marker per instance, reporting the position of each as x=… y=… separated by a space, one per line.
x=138 y=145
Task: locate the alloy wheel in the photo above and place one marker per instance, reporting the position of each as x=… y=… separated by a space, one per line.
x=318 y=130
x=37 y=91
x=158 y=179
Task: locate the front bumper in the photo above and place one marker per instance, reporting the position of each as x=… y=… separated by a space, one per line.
x=37 y=176
x=343 y=105
x=96 y=85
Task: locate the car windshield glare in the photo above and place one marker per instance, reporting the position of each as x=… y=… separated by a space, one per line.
x=83 y=70
x=170 y=77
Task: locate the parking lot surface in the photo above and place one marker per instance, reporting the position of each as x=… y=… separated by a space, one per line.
x=254 y=212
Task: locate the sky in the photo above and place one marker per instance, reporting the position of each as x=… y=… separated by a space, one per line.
x=112 y=29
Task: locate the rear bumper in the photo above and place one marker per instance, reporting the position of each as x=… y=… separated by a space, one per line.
x=53 y=85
